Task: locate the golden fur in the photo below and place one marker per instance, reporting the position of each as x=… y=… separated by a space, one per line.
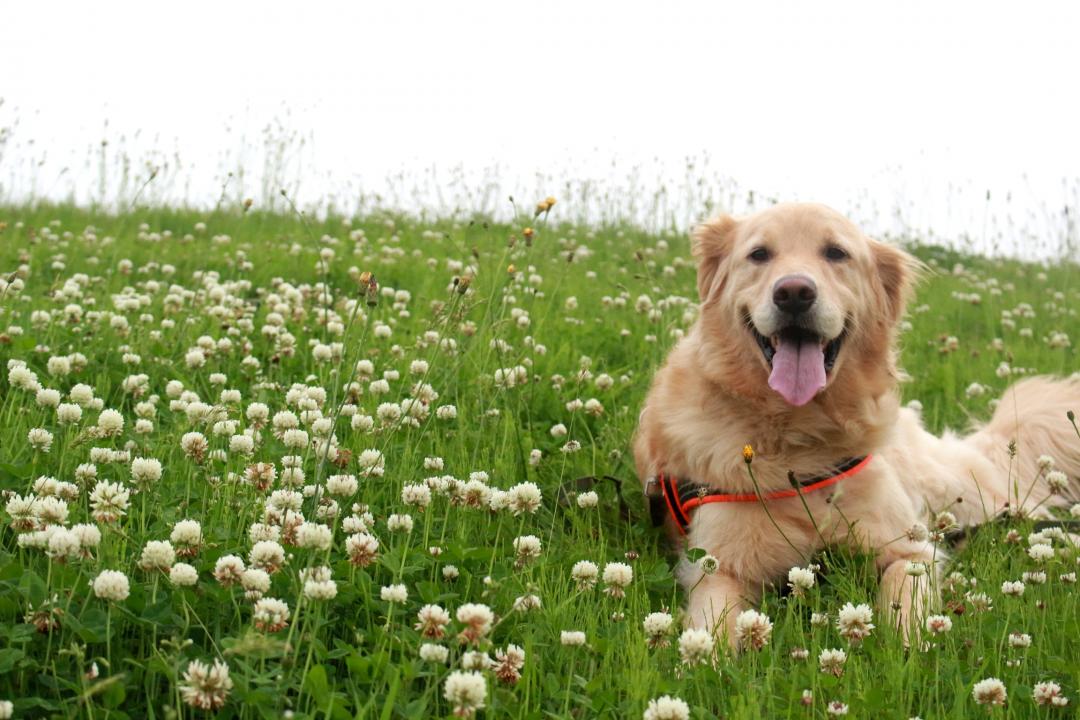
x=712 y=397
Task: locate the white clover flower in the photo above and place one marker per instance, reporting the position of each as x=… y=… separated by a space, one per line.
x=145 y=470
x=433 y=653
x=572 y=638
x=526 y=547
x=267 y=555
x=588 y=499
x=832 y=661
x=183 y=575
x=523 y=498
x=617 y=576
x=585 y=573
x=342 y=485
x=938 y=624
x=1019 y=640
x=667 y=707
x=399 y=523
x=371 y=463
x=314 y=535
x=271 y=614
x=1049 y=694
x=206 y=687
x=112 y=585
x=1012 y=587
x=110 y=422
x=990 y=691
x=853 y=622
x=394 y=594
x=418 y=494
x=657 y=625
x=157 y=555
x=63 y=544
x=1041 y=552
x=477 y=619
x=696 y=646
x=325 y=589
x=40 y=439
x=465 y=690
x=800 y=580
x=752 y=629
x=109 y=501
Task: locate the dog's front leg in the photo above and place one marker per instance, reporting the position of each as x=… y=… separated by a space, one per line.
x=715 y=602
x=906 y=588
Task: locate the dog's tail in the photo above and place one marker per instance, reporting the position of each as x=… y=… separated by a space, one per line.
x=1032 y=421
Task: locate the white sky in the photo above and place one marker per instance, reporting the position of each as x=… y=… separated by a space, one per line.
x=816 y=100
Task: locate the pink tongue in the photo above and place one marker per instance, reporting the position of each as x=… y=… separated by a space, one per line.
x=798 y=370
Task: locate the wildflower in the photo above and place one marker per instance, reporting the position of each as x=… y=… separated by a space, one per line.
x=394 y=594
x=708 y=564
x=585 y=574
x=1049 y=693
x=990 y=691
x=399 y=523
x=477 y=620
x=145 y=471
x=417 y=494
x=695 y=646
x=108 y=501
x=657 y=625
x=1012 y=587
x=526 y=603
x=362 y=549
x=157 y=555
x=836 y=708
x=183 y=575
x=819 y=619
x=915 y=569
x=432 y=621
x=1057 y=482
x=206 y=687
x=187 y=537
x=450 y=573
x=466 y=691
x=271 y=614
x=1019 y=640
x=508 y=664
x=430 y=652
x=666 y=707
x=110 y=423
x=853 y=622
x=831 y=661
x=40 y=439
x=800 y=580
x=63 y=544
x=228 y=570
x=256 y=582
x=194 y=445
x=527 y=548
x=320 y=589
x=572 y=638
x=314 y=535
x=523 y=498
x=799 y=653
x=617 y=576
x=938 y=624
x=267 y=555
x=1041 y=552
x=588 y=499
x=112 y=585
x=752 y=629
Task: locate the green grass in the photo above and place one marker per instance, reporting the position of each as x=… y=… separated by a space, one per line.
x=356 y=655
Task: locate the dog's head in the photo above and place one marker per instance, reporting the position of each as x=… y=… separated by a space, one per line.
x=795 y=300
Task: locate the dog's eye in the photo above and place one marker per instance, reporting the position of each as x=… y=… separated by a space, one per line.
x=835 y=253
x=759 y=255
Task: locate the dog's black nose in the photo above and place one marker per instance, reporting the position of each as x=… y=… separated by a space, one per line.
x=794 y=294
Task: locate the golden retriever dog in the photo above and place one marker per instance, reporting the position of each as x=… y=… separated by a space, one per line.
x=794 y=354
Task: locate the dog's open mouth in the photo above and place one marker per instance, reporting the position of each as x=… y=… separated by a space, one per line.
x=800 y=361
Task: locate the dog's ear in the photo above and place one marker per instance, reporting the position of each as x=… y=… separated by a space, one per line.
x=898 y=272
x=711 y=243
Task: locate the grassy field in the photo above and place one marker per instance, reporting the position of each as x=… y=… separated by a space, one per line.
x=362 y=451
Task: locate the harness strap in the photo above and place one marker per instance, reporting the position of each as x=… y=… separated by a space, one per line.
x=683 y=496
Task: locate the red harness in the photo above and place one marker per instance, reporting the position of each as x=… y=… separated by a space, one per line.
x=682 y=496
